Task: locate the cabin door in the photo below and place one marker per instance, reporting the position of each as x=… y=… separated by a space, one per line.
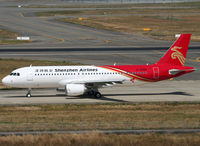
x=30 y=74
x=156 y=72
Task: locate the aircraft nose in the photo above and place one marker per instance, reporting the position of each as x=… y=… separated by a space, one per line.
x=5 y=81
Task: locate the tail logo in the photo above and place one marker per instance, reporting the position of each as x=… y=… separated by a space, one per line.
x=178 y=54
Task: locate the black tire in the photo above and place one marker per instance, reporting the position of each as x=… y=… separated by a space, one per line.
x=28 y=95
x=97 y=95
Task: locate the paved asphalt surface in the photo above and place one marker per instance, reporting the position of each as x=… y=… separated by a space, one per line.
x=166 y=91
x=45 y=32
x=48 y=33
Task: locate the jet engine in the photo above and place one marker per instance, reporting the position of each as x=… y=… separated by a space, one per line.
x=75 y=89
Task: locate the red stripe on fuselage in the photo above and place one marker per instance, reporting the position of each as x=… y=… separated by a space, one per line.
x=128 y=72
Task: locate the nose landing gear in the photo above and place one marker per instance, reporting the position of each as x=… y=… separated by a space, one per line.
x=29 y=93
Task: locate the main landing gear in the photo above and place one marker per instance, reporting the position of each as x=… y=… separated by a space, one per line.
x=95 y=94
x=29 y=93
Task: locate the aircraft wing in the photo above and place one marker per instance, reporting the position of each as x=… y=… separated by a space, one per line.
x=102 y=84
x=93 y=83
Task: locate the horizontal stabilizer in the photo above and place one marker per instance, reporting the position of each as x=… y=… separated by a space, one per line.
x=176 y=71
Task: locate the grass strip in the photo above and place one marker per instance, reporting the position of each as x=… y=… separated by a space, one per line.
x=9 y=37
x=100 y=139
x=99 y=116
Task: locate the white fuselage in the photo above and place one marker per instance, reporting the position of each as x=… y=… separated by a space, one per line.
x=59 y=76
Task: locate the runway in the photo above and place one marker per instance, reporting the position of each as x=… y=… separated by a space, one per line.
x=166 y=91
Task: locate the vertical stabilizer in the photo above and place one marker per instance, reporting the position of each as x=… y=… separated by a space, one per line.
x=177 y=53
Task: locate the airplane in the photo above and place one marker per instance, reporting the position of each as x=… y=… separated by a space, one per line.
x=80 y=80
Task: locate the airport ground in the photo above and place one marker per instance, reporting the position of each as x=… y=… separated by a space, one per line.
x=42 y=118
x=46 y=32
x=166 y=91
x=74 y=43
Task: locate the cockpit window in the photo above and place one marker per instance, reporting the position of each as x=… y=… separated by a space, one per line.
x=15 y=74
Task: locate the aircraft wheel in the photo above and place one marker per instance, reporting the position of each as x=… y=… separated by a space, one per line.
x=28 y=95
x=97 y=95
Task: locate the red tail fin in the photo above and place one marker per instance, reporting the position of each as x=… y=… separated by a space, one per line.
x=177 y=53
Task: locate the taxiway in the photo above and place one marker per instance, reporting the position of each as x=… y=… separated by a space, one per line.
x=166 y=91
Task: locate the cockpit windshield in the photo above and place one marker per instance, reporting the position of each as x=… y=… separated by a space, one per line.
x=15 y=74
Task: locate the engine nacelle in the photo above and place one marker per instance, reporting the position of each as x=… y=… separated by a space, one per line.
x=75 y=89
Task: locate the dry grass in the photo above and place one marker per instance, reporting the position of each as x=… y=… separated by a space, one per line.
x=107 y=116
x=100 y=139
x=12 y=64
x=9 y=37
x=5 y=34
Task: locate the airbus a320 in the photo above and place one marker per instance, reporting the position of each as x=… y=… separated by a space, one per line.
x=79 y=80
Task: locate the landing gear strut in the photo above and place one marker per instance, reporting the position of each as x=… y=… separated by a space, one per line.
x=28 y=93
x=96 y=94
